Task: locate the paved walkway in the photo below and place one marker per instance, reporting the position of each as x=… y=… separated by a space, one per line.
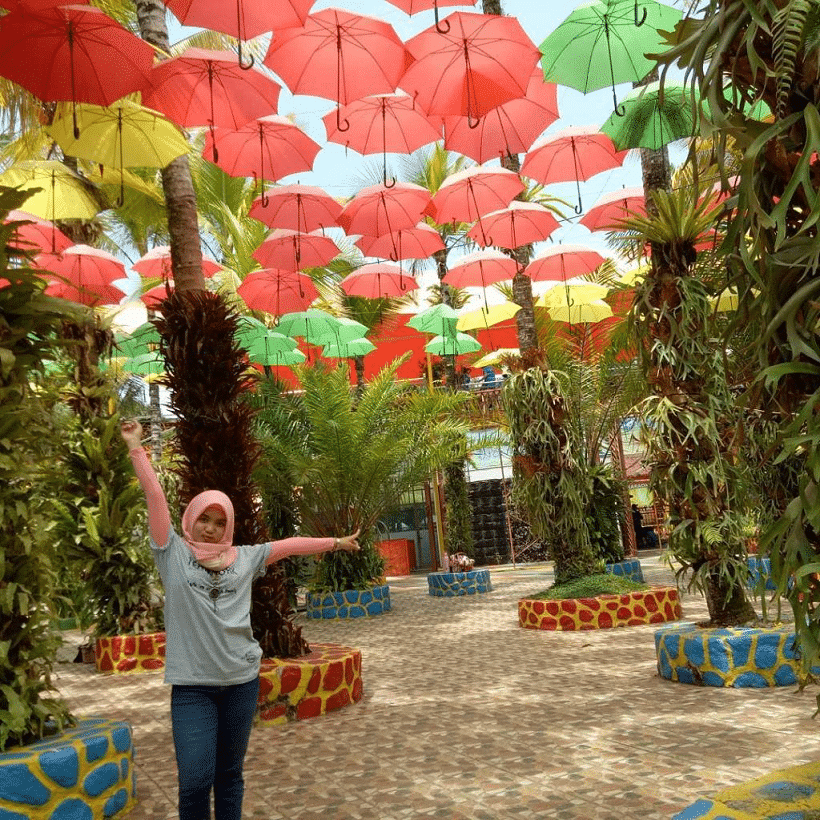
x=466 y=716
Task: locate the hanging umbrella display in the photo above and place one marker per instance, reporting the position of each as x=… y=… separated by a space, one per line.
x=272 y=342
x=520 y=223
x=562 y=262
x=91 y=294
x=249 y=330
x=122 y=135
x=568 y=294
x=600 y=44
x=62 y=194
x=338 y=55
x=269 y=148
x=589 y=312
x=259 y=353
x=475 y=191
x=486 y=317
x=508 y=129
x=201 y=87
x=653 y=117
x=348 y=350
x=141 y=340
x=417 y=242
x=495 y=356
x=456 y=345
x=311 y=324
x=479 y=62
x=243 y=19
x=277 y=291
x=35 y=233
x=153 y=297
x=84 y=274
x=156 y=264
x=149 y=366
x=381 y=124
x=290 y=250
x=302 y=208
x=439 y=320
x=572 y=154
x=380 y=209
x=414 y=6
x=378 y=280
x=480 y=270
x=73 y=54
x=612 y=208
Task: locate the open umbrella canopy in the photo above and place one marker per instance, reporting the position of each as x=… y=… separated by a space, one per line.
x=244 y=19
x=85 y=269
x=153 y=297
x=495 y=356
x=378 y=210
x=303 y=208
x=417 y=242
x=291 y=250
x=475 y=191
x=486 y=317
x=654 y=116
x=156 y=264
x=475 y=63
x=36 y=234
x=567 y=294
x=259 y=353
x=608 y=212
x=92 y=295
x=561 y=262
x=348 y=350
x=456 y=345
x=439 y=320
x=520 y=223
x=250 y=330
x=378 y=280
x=277 y=291
x=589 y=312
x=481 y=269
x=141 y=340
x=62 y=194
x=313 y=325
x=148 y=365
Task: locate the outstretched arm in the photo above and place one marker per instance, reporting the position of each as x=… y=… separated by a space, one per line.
x=159 y=519
x=311 y=546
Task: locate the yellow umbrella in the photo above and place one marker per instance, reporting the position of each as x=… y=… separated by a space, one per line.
x=487 y=317
x=62 y=194
x=569 y=294
x=592 y=311
x=121 y=135
x=631 y=277
x=726 y=300
x=494 y=356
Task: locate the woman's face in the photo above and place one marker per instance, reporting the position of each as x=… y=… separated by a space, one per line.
x=209 y=528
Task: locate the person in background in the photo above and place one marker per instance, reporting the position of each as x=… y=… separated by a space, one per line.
x=645 y=537
x=212 y=659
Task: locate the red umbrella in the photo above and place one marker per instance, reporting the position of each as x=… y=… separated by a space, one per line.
x=381 y=124
x=202 y=87
x=520 y=223
x=479 y=62
x=576 y=153
x=37 y=5
x=72 y=54
x=473 y=192
x=156 y=264
x=290 y=250
x=378 y=280
x=158 y=294
x=378 y=209
x=509 y=129
x=277 y=291
x=338 y=55
x=412 y=6
x=37 y=233
x=561 y=262
x=243 y=19
x=84 y=274
x=417 y=242
x=605 y=214
x=298 y=207
x=481 y=269
x=266 y=148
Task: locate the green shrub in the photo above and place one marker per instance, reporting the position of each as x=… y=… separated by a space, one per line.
x=590 y=587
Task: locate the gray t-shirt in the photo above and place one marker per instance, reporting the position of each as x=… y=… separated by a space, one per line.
x=209 y=641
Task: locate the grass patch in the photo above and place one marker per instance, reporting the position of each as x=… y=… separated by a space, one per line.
x=590 y=586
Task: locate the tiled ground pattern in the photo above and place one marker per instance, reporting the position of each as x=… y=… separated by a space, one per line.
x=466 y=716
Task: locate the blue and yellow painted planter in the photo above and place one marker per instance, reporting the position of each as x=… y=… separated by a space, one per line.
x=787 y=794
x=630 y=568
x=452 y=584
x=736 y=657
x=352 y=603
x=760 y=571
x=82 y=773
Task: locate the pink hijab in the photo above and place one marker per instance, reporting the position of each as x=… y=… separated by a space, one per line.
x=211 y=556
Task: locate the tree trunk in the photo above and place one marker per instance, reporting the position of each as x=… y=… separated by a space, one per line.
x=727 y=602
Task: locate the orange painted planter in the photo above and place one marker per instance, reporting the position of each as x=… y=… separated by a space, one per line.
x=328 y=678
x=648 y=606
x=123 y=654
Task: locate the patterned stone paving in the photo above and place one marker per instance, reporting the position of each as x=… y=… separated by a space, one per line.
x=466 y=716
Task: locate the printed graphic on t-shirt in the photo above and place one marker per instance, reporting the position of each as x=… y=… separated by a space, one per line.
x=216 y=584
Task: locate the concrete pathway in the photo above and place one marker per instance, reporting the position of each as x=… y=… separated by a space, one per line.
x=466 y=716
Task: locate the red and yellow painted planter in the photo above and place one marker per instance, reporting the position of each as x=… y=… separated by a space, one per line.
x=328 y=678
x=647 y=606
x=122 y=654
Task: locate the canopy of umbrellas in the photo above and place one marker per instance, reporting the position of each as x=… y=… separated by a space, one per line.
x=475 y=81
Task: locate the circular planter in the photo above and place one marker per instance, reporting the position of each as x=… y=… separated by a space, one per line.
x=631 y=569
x=646 y=606
x=123 y=654
x=327 y=678
x=84 y=772
x=352 y=603
x=737 y=657
x=452 y=584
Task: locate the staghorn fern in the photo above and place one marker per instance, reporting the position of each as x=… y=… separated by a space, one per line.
x=788 y=27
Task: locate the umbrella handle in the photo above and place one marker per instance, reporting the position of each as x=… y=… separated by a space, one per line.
x=473 y=124
x=263 y=197
x=443 y=26
x=580 y=206
x=246 y=66
x=339 y=126
x=643 y=19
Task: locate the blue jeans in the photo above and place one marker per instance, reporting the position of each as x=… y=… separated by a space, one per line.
x=211 y=727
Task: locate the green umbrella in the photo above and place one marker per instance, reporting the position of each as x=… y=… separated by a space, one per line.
x=653 y=117
x=265 y=347
x=346 y=330
x=139 y=341
x=147 y=365
x=248 y=330
x=274 y=358
x=314 y=325
x=452 y=345
x=600 y=45
x=440 y=319
x=347 y=350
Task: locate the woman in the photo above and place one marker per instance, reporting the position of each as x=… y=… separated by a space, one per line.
x=212 y=659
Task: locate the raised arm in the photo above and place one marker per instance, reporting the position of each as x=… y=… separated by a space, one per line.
x=311 y=546
x=159 y=519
